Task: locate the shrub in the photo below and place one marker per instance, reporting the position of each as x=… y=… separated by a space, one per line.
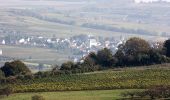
x=67 y=66
x=15 y=68
x=105 y=57
x=153 y=93
x=167 y=47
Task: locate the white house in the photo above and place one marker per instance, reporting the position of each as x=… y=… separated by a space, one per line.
x=93 y=42
x=0 y=51
x=22 y=40
x=3 y=42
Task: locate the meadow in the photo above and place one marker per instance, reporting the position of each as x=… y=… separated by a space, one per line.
x=70 y=95
x=35 y=55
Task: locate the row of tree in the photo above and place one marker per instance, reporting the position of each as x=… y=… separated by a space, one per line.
x=135 y=52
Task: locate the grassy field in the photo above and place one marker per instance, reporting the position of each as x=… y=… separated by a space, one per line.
x=72 y=95
x=37 y=55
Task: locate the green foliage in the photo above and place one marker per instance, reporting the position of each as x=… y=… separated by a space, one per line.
x=156 y=92
x=67 y=66
x=167 y=47
x=15 y=68
x=105 y=57
x=38 y=97
x=137 y=52
x=90 y=63
x=135 y=45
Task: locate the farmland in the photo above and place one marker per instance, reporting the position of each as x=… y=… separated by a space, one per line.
x=123 y=79
x=100 y=85
x=34 y=55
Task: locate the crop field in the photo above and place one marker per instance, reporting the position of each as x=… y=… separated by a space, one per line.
x=35 y=55
x=124 y=79
x=72 y=95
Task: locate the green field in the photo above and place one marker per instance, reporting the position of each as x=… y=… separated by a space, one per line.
x=37 y=55
x=100 y=85
x=105 y=80
x=72 y=95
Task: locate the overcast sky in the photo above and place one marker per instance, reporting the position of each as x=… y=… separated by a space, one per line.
x=150 y=0
x=21 y=2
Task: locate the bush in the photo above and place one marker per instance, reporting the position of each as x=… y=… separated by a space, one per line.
x=67 y=66
x=38 y=97
x=105 y=57
x=15 y=68
x=167 y=47
x=153 y=93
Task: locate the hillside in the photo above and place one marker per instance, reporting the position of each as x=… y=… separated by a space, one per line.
x=65 y=18
x=130 y=78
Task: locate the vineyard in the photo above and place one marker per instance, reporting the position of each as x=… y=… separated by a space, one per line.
x=106 y=80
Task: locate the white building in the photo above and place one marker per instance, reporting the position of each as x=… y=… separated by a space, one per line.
x=3 y=42
x=0 y=51
x=93 y=42
x=22 y=41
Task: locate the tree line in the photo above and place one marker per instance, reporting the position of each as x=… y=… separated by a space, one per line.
x=134 y=52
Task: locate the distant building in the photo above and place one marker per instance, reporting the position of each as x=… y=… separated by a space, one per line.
x=0 y=51
x=3 y=42
x=92 y=42
x=22 y=41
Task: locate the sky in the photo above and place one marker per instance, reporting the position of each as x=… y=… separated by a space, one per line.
x=20 y=2
x=31 y=2
x=147 y=1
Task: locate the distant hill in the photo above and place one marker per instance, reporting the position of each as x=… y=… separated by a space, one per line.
x=65 y=18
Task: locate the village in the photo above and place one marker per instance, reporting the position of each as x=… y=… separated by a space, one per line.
x=79 y=45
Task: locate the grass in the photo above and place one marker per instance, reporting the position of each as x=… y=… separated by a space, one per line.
x=38 y=55
x=72 y=95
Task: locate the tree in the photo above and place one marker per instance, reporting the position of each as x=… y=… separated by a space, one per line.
x=67 y=66
x=15 y=68
x=136 y=45
x=167 y=47
x=134 y=52
x=91 y=59
x=105 y=57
